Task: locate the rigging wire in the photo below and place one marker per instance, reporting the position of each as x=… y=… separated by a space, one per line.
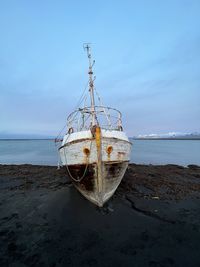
x=81 y=99
x=101 y=103
x=82 y=96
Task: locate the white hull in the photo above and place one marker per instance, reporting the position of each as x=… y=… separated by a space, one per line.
x=96 y=164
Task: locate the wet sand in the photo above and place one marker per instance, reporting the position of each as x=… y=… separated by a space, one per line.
x=152 y=220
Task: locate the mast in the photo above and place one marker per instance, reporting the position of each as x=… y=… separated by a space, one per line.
x=91 y=84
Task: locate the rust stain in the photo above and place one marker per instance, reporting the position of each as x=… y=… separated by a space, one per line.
x=114 y=169
x=88 y=182
x=86 y=151
x=109 y=150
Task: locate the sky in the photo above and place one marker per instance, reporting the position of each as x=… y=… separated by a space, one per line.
x=147 y=63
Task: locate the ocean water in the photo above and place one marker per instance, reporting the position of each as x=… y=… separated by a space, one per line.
x=44 y=152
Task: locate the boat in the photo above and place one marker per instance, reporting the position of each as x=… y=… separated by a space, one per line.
x=95 y=150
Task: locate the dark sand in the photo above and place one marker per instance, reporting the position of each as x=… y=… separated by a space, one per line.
x=152 y=220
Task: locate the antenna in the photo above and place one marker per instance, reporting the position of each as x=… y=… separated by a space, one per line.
x=87 y=47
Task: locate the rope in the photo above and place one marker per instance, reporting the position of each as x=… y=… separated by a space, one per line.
x=86 y=167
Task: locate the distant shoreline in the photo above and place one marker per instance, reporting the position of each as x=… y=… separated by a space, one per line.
x=178 y=138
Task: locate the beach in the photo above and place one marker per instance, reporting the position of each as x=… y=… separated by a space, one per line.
x=153 y=219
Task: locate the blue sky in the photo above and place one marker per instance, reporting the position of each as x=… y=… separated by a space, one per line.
x=147 y=57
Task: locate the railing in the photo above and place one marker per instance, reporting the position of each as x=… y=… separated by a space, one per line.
x=106 y=118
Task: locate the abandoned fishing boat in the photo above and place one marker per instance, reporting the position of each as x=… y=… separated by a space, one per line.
x=95 y=149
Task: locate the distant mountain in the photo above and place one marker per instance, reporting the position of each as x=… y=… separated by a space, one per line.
x=170 y=135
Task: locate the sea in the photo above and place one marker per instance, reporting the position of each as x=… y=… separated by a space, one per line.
x=44 y=152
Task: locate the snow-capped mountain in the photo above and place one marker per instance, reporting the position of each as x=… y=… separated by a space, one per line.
x=170 y=135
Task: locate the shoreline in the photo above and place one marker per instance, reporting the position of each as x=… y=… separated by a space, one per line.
x=151 y=220
x=191 y=165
